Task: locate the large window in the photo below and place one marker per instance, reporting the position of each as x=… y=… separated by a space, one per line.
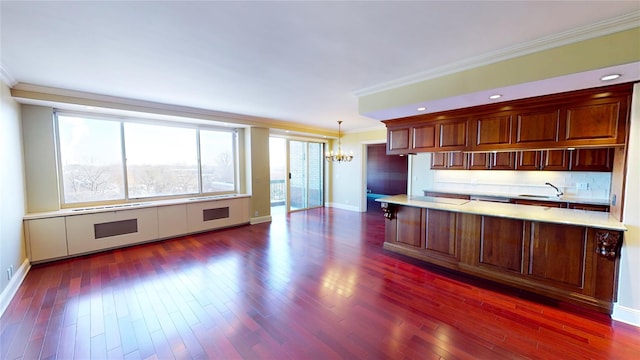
x=104 y=160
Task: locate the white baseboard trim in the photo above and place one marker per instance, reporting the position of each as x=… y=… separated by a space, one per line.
x=626 y=315
x=260 y=219
x=343 y=207
x=12 y=288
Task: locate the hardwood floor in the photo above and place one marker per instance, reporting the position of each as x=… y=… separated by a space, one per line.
x=311 y=285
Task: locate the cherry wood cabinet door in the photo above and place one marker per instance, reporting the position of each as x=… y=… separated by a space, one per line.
x=539 y=125
x=529 y=160
x=555 y=160
x=492 y=131
x=502 y=161
x=557 y=204
x=478 y=161
x=398 y=141
x=439 y=161
x=590 y=207
x=452 y=134
x=424 y=137
x=457 y=161
x=502 y=243
x=558 y=254
x=440 y=234
x=409 y=223
x=599 y=121
x=600 y=159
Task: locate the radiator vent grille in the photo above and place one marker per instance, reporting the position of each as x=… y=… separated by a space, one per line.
x=115 y=228
x=215 y=214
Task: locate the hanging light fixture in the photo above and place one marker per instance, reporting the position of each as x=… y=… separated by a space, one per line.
x=339 y=156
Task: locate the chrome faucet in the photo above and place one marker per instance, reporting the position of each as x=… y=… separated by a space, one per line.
x=558 y=192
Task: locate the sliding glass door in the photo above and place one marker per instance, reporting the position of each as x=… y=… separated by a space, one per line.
x=306 y=175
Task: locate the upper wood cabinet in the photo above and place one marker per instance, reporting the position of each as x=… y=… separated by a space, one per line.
x=449 y=161
x=595 y=117
x=594 y=122
x=600 y=159
x=536 y=126
x=452 y=134
x=492 y=161
x=491 y=131
x=543 y=160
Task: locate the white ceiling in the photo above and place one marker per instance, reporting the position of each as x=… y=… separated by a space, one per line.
x=299 y=62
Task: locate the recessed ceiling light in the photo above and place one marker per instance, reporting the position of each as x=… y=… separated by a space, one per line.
x=610 y=77
x=495 y=96
x=422 y=108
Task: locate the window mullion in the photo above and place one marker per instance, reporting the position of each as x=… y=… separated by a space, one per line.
x=124 y=162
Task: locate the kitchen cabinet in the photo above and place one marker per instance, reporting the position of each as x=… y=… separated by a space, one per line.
x=557 y=204
x=398 y=140
x=573 y=263
x=446 y=195
x=589 y=207
x=596 y=122
x=586 y=118
x=492 y=131
x=452 y=134
x=599 y=159
x=449 y=161
x=537 y=126
x=543 y=160
x=492 y=161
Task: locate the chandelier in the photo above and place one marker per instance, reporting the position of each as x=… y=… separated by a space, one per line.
x=339 y=156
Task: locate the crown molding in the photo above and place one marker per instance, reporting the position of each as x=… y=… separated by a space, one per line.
x=601 y=28
x=64 y=99
x=6 y=77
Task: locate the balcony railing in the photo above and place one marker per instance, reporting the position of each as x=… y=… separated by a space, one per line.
x=278 y=192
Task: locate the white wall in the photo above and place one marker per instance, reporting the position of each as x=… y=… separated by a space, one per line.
x=12 y=203
x=628 y=307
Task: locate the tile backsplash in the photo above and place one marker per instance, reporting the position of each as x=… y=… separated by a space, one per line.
x=587 y=185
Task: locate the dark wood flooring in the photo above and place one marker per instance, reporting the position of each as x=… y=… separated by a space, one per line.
x=311 y=285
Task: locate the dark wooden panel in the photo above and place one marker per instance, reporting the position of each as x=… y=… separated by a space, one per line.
x=557 y=204
x=115 y=228
x=501 y=243
x=590 y=207
x=555 y=160
x=439 y=160
x=598 y=120
x=503 y=161
x=529 y=160
x=440 y=234
x=385 y=174
x=398 y=139
x=452 y=134
x=446 y=195
x=457 y=161
x=493 y=130
x=478 y=161
x=558 y=254
x=599 y=159
x=537 y=126
x=409 y=223
x=424 y=137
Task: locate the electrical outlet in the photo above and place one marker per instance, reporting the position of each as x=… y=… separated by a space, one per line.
x=582 y=186
x=256 y=213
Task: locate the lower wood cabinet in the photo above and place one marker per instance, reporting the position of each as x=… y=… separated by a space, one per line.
x=577 y=264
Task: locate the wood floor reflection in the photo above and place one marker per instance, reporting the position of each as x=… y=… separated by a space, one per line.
x=311 y=285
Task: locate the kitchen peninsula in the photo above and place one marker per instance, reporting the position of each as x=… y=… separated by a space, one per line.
x=565 y=254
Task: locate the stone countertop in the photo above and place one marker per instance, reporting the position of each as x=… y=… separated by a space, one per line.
x=564 y=198
x=594 y=219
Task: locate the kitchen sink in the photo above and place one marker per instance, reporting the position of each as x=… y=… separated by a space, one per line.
x=537 y=196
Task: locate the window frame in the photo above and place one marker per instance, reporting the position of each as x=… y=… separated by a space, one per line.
x=166 y=123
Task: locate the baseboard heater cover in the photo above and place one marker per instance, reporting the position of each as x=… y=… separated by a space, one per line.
x=115 y=228
x=215 y=214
